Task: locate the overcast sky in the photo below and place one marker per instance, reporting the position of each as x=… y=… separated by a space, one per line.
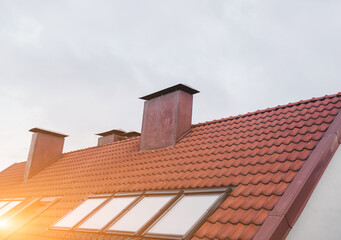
x=79 y=67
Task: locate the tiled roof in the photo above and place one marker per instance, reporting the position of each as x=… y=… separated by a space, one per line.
x=258 y=153
x=12 y=175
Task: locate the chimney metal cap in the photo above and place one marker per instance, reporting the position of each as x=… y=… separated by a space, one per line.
x=132 y=134
x=36 y=130
x=118 y=132
x=177 y=87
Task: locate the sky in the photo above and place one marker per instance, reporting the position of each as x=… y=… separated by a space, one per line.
x=79 y=67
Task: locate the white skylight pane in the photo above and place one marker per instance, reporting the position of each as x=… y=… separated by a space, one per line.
x=3 y=203
x=107 y=213
x=184 y=214
x=134 y=219
x=79 y=213
x=8 y=207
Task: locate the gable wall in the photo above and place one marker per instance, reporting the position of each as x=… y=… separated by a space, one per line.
x=321 y=216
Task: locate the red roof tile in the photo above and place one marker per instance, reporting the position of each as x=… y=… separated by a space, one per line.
x=12 y=175
x=258 y=153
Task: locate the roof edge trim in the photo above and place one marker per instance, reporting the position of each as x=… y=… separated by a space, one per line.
x=285 y=213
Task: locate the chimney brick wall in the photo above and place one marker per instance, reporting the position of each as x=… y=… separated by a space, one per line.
x=45 y=148
x=167 y=116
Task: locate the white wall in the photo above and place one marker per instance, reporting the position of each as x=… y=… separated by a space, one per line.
x=321 y=217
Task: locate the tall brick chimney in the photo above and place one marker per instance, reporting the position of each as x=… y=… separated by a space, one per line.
x=167 y=116
x=46 y=147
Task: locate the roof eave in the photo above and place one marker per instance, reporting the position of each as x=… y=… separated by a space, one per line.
x=284 y=215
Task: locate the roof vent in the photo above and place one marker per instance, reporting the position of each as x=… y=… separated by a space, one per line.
x=46 y=147
x=167 y=116
x=115 y=135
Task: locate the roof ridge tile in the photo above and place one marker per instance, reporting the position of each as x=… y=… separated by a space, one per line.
x=270 y=109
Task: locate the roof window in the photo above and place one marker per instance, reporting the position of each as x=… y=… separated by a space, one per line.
x=157 y=214
x=184 y=214
x=8 y=205
x=3 y=203
x=79 y=213
x=30 y=209
x=19 y=212
x=108 y=212
x=141 y=213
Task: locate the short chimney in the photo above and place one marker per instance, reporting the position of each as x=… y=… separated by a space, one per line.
x=111 y=136
x=167 y=116
x=115 y=136
x=46 y=147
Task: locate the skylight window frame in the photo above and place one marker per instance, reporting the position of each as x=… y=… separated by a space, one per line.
x=12 y=199
x=225 y=192
x=31 y=202
x=110 y=197
x=27 y=204
x=9 y=200
x=175 y=193
x=50 y=200
x=6 y=202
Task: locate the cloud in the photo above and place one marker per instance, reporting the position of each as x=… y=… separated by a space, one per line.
x=78 y=67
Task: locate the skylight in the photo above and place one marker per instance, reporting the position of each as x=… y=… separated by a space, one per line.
x=173 y=214
x=3 y=203
x=140 y=213
x=31 y=208
x=107 y=213
x=79 y=213
x=23 y=214
x=8 y=207
x=184 y=214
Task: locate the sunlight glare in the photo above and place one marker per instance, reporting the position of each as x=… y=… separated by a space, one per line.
x=3 y=223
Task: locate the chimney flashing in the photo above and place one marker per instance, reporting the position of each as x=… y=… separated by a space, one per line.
x=177 y=87
x=40 y=130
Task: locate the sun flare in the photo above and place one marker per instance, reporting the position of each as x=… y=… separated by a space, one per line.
x=3 y=223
